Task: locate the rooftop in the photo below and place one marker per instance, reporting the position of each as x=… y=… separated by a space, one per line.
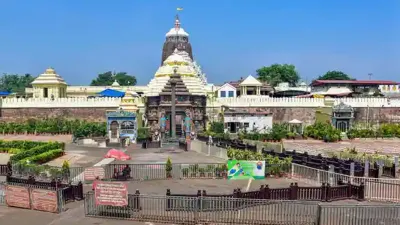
x=355 y=82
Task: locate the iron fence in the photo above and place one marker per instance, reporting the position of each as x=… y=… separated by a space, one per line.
x=359 y=215
x=200 y=210
x=378 y=189
x=2 y=194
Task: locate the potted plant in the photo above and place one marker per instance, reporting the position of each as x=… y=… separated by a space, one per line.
x=210 y=170
x=168 y=168
x=193 y=170
x=224 y=170
x=185 y=172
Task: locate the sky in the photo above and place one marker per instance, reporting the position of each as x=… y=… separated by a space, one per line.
x=230 y=38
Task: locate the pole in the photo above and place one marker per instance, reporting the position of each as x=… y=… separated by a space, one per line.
x=173 y=105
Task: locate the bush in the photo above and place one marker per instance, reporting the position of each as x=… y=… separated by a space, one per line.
x=143 y=134
x=168 y=167
x=44 y=157
x=217 y=127
x=383 y=131
x=36 y=151
x=79 y=128
x=323 y=131
x=23 y=145
x=276 y=133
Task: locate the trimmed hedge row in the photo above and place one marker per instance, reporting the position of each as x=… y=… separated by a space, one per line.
x=23 y=145
x=46 y=147
x=45 y=156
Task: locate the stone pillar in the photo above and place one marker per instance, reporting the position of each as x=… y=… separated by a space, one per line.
x=366 y=168
x=380 y=169
x=396 y=167
x=173 y=102
x=331 y=175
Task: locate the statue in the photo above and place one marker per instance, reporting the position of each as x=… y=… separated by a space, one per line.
x=155 y=131
x=163 y=123
x=144 y=119
x=188 y=122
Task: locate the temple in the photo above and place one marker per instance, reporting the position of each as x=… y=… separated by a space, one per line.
x=176 y=38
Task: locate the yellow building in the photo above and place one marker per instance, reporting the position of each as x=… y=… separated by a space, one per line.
x=49 y=85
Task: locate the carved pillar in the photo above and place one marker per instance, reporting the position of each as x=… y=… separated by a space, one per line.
x=173 y=103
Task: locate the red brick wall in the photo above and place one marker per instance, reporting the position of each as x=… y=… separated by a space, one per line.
x=21 y=114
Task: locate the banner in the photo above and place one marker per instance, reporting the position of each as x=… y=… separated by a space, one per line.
x=111 y=193
x=244 y=170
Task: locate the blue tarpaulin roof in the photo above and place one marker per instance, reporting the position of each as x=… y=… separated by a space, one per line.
x=112 y=93
x=4 y=93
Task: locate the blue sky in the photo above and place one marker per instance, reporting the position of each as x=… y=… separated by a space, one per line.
x=230 y=38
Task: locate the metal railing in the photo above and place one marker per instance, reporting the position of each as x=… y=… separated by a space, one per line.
x=202 y=210
x=375 y=188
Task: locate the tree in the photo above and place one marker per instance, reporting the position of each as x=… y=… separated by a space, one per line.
x=278 y=73
x=15 y=83
x=107 y=78
x=334 y=75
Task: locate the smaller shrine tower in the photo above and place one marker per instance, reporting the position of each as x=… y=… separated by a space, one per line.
x=178 y=39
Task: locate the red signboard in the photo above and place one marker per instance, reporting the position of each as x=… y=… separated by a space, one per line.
x=17 y=196
x=91 y=173
x=111 y=193
x=44 y=200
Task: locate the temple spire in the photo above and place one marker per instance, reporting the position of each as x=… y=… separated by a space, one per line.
x=177 y=22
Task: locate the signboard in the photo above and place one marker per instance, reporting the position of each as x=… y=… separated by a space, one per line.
x=17 y=196
x=111 y=193
x=91 y=173
x=243 y=170
x=44 y=200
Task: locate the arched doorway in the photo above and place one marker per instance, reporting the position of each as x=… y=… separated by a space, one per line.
x=114 y=129
x=342 y=125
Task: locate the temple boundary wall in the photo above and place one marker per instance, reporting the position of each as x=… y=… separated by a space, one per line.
x=259 y=101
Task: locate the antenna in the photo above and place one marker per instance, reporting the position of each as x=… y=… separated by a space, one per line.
x=370 y=75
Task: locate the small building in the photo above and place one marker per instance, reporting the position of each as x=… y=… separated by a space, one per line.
x=49 y=85
x=249 y=86
x=350 y=88
x=284 y=90
x=120 y=125
x=227 y=91
x=238 y=119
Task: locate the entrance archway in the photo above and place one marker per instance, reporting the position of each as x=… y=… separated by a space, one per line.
x=114 y=129
x=342 y=126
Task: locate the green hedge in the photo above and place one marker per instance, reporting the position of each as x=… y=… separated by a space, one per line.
x=323 y=131
x=383 y=131
x=79 y=128
x=37 y=150
x=45 y=156
x=10 y=150
x=23 y=145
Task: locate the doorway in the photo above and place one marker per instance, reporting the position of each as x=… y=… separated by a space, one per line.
x=342 y=125
x=114 y=129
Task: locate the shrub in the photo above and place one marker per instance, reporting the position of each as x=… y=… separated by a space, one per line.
x=168 y=167
x=143 y=133
x=36 y=151
x=323 y=131
x=44 y=157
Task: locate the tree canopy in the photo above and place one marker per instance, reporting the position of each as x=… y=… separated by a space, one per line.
x=107 y=78
x=278 y=73
x=15 y=83
x=334 y=75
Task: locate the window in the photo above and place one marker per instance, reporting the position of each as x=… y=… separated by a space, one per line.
x=45 y=92
x=246 y=125
x=128 y=125
x=223 y=94
x=230 y=94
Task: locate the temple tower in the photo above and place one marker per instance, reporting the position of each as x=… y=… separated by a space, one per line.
x=178 y=39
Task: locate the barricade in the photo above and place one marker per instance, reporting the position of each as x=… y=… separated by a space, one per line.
x=377 y=189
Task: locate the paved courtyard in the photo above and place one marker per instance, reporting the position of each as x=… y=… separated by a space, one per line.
x=389 y=147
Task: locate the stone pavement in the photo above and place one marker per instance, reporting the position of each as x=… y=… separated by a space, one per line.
x=388 y=147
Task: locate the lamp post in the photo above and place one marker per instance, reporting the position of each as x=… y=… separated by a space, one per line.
x=173 y=81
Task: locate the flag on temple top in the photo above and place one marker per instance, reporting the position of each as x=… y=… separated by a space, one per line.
x=179 y=9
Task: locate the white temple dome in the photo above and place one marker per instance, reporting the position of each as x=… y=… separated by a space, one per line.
x=177 y=32
x=50 y=76
x=115 y=84
x=176 y=58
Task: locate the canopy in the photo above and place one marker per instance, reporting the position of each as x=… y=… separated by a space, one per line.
x=112 y=93
x=295 y=121
x=117 y=154
x=4 y=93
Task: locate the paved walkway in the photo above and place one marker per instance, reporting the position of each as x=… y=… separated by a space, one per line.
x=389 y=147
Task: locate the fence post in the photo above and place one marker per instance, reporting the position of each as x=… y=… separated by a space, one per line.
x=396 y=167
x=366 y=168
x=331 y=174
x=380 y=169
x=261 y=194
x=349 y=190
x=323 y=192
x=267 y=192
x=199 y=201
x=328 y=192
x=168 y=194
x=319 y=212
x=292 y=170
x=361 y=192
x=351 y=172
x=293 y=191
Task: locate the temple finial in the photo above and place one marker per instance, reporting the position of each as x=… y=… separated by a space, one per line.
x=177 y=22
